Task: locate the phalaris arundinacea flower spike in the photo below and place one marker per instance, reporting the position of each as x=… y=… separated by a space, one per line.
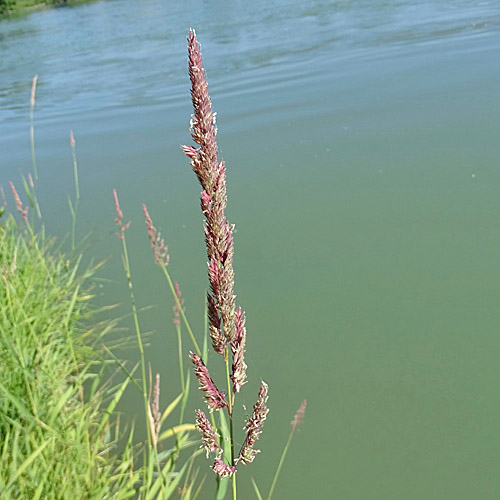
x=226 y=321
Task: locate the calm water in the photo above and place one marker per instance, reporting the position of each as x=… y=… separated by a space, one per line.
x=362 y=144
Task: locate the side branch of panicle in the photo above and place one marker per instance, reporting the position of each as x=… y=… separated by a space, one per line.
x=218 y=339
x=222 y=469
x=203 y=128
x=208 y=434
x=239 y=367
x=254 y=426
x=160 y=249
x=214 y=398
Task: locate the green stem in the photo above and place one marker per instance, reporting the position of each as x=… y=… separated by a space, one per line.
x=126 y=265
x=33 y=160
x=233 y=477
x=32 y=138
x=280 y=465
x=179 y=305
x=77 y=189
x=230 y=413
x=181 y=364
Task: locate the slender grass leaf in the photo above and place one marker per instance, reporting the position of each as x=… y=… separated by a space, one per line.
x=256 y=489
x=170 y=408
x=176 y=430
x=26 y=464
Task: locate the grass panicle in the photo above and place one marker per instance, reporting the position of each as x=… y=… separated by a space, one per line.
x=226 y=321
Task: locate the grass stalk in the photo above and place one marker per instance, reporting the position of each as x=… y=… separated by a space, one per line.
x=227 y=322
x=32 y=143
x=182 y=313
x=230 y=398
x=74 y=207
x=32 y=126
x=280 y=464
x=299 y=416
x=135 y=316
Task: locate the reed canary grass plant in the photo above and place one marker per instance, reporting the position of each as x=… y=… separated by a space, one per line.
x=226 y=320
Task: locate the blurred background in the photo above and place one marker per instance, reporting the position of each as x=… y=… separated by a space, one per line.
x=361 y=140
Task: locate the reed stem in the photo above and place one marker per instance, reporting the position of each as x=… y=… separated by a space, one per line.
x=179 y=305
x=230 y=414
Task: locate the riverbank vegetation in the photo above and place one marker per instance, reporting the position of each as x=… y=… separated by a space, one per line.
x=60 y=385
x=55 y=437
x=19 y=7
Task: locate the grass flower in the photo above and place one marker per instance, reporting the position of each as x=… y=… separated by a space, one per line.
x=208 y=435
x=299 y=416
x=254 y=426
x=214 y=398
x=226 y=321
x=297 y=420
x=160 y=249
x=33 y=89
x=211 y=174
x=177 y=309
x=222 y=469
x=19 y=203
x=238 y=349
x=154 y=414
x=119 y=217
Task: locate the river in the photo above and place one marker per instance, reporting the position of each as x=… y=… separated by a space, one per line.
x=361 y=140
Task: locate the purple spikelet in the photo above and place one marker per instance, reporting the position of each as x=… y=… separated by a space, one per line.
x=211 y=174
x=254 y=426
x=19 y=203
x=158 y=245
x=299 y=416
x=238 y=349
x=208 y=435
x=177 y=310
x=119 y=217
x=222 y=469
x=213 y=397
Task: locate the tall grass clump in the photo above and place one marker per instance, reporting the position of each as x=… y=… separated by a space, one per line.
x=55 y=437
x=61 y=379
x=59 y=425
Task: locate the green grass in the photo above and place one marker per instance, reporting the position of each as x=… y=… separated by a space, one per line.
x=52 y=440
x=59 y=427
x=19 y=7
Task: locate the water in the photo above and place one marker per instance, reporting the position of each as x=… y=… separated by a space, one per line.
x=361 y=140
